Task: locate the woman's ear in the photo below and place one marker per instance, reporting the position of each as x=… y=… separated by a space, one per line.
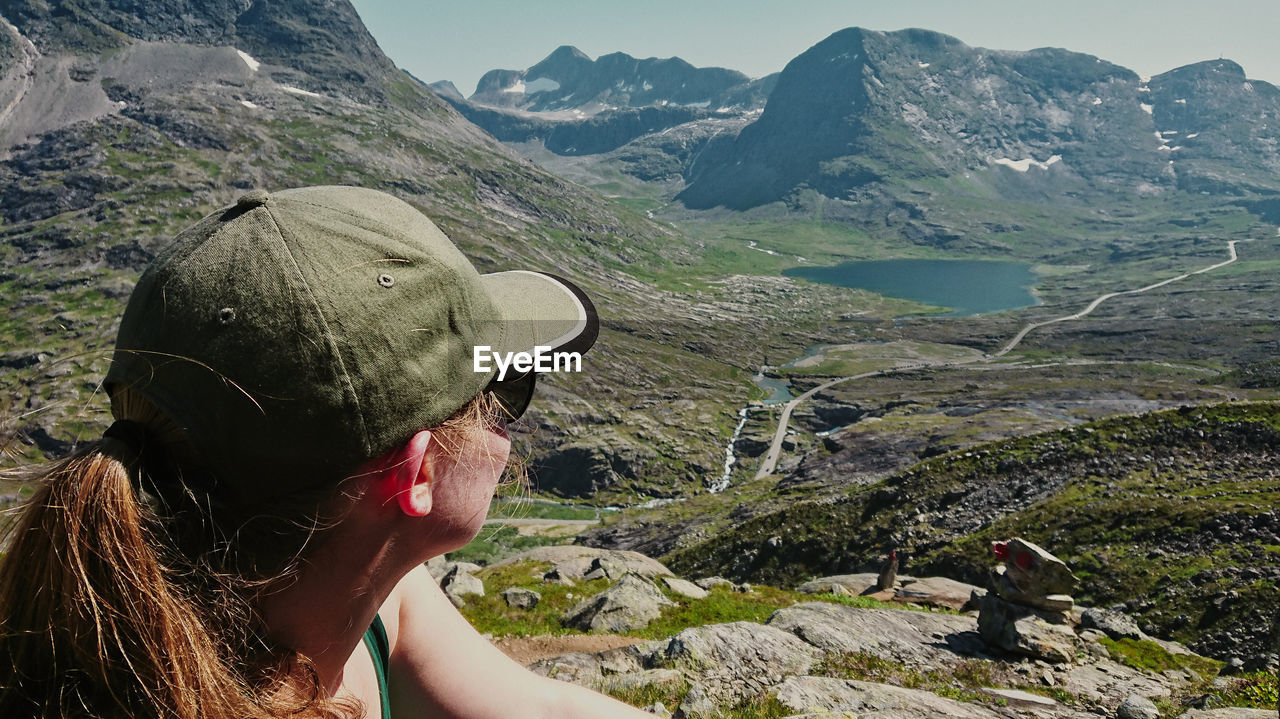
x=413 y=475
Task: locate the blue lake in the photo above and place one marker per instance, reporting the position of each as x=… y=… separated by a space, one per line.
x=966 y=287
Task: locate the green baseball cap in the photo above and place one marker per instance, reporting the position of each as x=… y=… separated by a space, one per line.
x=295 y=334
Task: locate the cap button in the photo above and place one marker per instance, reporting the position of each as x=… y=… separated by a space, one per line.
x=252 y=199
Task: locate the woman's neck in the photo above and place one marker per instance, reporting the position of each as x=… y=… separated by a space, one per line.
x=325 y=611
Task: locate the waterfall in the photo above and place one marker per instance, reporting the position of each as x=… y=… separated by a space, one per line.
x=723 y=483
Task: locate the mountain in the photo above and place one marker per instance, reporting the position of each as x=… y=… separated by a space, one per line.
x=1219 y=126
x=900 y=133
x=864 y=109
x=568 y=79
x=325 y=41
x=579 y=106
x=120 y=123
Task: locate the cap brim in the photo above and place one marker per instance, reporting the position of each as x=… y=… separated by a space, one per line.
x=538 y=310
x=541 y=310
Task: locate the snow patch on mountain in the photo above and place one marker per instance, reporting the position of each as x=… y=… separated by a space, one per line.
x=299 y=91
x=1027 y=164
x=248 y=60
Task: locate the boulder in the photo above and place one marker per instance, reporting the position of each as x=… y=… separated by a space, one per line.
x=736 y=660
x=629 y=604
x=1137 y=707
x=574 y=667
x=437 y=566
x=936 y=591
x=685 y=588
x=463 y=567
x=747 y=646
x=1023 y=630
x=1003 y=586
x=459 y=582
x=521 y=598
x=1032 y=570
x=1114 y=624
x=605 y=568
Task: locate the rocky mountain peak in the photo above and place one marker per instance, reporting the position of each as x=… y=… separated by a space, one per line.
x=1220 y=70
x=567 y=79
x=562 y=55
x=322 y=38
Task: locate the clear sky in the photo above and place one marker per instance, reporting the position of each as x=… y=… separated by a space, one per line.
x=462 y=39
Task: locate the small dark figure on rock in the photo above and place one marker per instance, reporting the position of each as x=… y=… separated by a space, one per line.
x=888 y=571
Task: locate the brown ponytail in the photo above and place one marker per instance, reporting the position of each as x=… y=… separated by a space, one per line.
x=102 y=614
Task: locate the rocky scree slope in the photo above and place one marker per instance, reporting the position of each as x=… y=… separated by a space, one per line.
x=1171 y=514
x=119 y=125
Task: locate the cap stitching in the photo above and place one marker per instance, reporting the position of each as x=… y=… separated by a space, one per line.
x=349 y=387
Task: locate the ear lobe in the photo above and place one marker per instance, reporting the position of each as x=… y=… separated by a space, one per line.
x=413 y=476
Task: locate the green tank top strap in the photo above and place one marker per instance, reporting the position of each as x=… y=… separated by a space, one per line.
x=375 y=640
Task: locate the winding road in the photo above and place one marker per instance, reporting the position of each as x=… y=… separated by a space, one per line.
x=1231 y=250
x=775 y=449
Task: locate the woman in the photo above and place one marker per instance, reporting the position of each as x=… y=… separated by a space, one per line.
x=300 y=426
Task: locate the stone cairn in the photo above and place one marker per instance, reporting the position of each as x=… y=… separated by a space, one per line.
x=1028 y=610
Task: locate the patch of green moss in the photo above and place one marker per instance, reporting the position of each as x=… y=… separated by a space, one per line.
x=1142 y=654
x=721 y=605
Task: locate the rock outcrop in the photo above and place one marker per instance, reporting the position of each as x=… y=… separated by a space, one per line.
x=724 y=663
x=828 y=659
x=629 y=604
x=459 y=581
x=1028 y=610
